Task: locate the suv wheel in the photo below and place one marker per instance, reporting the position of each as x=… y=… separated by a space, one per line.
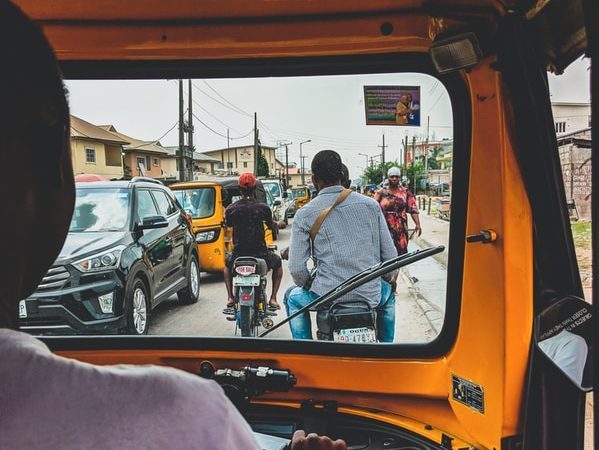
x=191 y=293
x=138 y=309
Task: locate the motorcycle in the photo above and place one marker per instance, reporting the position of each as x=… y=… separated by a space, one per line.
x=249 y=292
x=353 y=321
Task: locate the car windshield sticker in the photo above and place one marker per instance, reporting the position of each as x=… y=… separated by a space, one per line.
x=468 y=393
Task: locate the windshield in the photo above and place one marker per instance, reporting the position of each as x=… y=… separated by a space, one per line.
x=100 y=210
x=408 y=126
x=299 y=193
x=199 y=202
x=273 y=188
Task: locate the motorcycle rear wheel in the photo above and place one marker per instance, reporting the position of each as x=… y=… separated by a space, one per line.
x=246 y=321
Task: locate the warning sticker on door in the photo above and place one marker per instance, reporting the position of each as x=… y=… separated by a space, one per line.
x=468 y=393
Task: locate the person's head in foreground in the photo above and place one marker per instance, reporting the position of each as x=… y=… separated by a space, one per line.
x=327 y=169
x=37 y=188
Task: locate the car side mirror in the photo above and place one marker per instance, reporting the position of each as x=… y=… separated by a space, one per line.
x=285 y=195
x=564 y=334
x=277 y=202
x=153 y=222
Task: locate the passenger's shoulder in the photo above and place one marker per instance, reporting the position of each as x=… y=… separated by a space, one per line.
x=364 y=200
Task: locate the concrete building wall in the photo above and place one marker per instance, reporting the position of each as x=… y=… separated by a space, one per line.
x=570 y=117
x=107 y=159
x=153 y=169
x=576 y=170
x=169 y=168
x=235 y=161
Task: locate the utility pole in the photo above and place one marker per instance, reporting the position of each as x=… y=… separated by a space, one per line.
x=302 y=168
x=428 y=122
x=382 y=147
x=181 y=135
x=228 y=139
x=190 y=136
x=413 y=158
x=364 y=154
x=405 y=155
x=286 y=167
x=255 y=144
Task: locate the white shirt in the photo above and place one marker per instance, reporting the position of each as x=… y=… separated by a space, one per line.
x=47 y=401
x=569 y=352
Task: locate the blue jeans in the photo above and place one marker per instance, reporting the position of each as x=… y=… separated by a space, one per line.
x=301 y=327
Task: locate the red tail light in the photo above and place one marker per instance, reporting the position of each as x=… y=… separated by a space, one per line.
x=246 y=297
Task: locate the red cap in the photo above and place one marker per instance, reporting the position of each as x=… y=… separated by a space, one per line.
x=247 y=180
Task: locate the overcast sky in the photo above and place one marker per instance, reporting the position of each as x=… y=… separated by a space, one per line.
x=329 y=111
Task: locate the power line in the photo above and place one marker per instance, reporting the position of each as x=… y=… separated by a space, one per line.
x=435 y=103
x=195 y=102
x=220 y=134
x=233 y=105
x=219 y=102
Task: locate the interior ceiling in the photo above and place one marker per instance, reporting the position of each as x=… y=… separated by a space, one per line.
x=192 y=29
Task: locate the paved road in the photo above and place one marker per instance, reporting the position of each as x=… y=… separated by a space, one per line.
x=205 y=318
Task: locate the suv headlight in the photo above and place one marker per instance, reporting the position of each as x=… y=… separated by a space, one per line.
x=108 y=259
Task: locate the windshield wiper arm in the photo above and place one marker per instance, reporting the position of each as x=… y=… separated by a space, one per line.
x=359 y=279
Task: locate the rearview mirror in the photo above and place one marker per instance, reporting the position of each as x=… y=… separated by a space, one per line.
x=152 y=222
x=285 y=194
x=564 y=334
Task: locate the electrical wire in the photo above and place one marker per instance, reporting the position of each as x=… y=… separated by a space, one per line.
x=232 y=104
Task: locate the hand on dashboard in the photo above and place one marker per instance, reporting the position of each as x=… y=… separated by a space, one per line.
x=315 y=442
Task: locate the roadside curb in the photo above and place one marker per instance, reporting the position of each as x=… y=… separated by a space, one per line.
x=441 y=258
x=431 y=312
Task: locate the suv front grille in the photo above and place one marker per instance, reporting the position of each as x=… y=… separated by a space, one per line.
x=55 y=279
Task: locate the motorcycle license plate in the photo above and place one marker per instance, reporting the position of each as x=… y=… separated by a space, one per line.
x=250 y=280
x=363 y=335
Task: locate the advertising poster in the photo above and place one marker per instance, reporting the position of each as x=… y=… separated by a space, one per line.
x=392 y=105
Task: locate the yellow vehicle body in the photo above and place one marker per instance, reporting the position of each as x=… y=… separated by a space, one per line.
x=210 y=223
x=301 y=196
x=488 y=339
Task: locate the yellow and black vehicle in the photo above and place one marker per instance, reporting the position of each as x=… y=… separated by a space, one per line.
x=480 y=380
x=206 y=201
x=301 y=195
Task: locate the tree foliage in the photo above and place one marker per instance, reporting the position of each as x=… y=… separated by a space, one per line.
x=374 y=174
x=262 y=169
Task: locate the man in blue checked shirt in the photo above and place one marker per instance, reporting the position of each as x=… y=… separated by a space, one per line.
x=353 y=237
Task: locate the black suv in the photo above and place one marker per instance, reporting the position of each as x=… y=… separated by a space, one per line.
x=129 y=247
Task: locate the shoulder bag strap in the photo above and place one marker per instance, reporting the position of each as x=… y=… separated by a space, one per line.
x=325 y=213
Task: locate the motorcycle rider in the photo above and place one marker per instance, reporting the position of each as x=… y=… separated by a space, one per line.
x=247 y=217
x=353 y=237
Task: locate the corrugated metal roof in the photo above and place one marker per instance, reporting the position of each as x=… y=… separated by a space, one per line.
x=136 y=144
x=85 y=130
x=172 y=151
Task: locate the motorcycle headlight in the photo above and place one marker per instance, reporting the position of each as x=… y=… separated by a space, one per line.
x=207 y=236
x=108 y=259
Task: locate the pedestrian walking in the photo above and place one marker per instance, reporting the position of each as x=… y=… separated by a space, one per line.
x=397 y=202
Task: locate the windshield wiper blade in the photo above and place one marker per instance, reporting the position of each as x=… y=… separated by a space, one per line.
x=359 y=279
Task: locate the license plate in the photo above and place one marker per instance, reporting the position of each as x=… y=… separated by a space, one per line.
x=22 y=309
x=251 y=280
x=363 y=335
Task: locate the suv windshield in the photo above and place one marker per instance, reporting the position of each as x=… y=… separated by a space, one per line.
x=199 y=202
x=100 y=210
x=273 y=188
